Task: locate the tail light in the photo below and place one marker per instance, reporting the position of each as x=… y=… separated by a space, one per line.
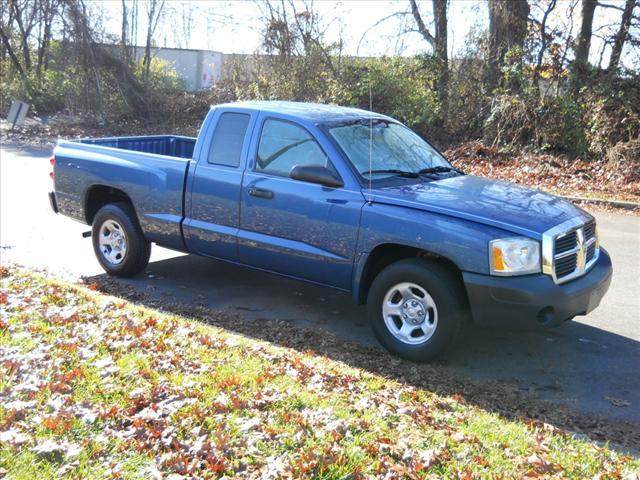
x=52 y=161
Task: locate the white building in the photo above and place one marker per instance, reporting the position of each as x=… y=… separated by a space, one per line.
x=199 y=69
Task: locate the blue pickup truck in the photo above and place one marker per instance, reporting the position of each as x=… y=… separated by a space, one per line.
x=344 y=198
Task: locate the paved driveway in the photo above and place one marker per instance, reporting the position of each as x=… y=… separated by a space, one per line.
x=589 y=364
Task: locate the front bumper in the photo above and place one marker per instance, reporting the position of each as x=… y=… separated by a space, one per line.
x=535 y=300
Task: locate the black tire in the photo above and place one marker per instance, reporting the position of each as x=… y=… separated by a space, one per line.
x=444 y=288
x=138 y=248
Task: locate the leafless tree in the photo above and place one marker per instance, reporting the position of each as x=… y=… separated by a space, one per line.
x=48 y=10
x=24 y=13
x=15 y=60
x=154 y=12
x=124 y=41
x=438 y=42
x=31 y=22
x=622 y=34
x=97 y=57
x=545 y=37
x=187 y=22
x=581 y=60
x=296 y=30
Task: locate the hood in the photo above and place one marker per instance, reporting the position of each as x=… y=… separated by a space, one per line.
x=500 y=204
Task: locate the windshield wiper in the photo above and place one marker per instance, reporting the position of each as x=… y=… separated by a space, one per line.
x=439 y=169
x=409 y=174
x=395 y=171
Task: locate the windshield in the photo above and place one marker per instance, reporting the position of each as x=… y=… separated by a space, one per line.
x=394 y=148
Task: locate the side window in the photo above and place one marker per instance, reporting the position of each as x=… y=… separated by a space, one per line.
x=283 y=145
x=226 y=146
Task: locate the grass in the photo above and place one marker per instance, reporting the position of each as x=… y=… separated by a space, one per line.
x=96 y=387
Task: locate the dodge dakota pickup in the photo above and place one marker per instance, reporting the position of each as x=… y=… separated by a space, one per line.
x=343 y=198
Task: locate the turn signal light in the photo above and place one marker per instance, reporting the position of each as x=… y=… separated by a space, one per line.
x=498 y=260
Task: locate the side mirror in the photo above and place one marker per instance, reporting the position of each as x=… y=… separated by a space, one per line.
x=316 y=174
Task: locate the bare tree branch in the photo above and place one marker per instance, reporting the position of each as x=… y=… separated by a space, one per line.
x=422 y=28
x=543 y=41
x=133 y=92
x=15 y=61
x=378 y=23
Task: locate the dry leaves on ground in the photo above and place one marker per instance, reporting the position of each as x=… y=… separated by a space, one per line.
x=92 y=386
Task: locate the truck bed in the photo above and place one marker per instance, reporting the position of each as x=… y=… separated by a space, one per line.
x=169 y=145
x=149 y=170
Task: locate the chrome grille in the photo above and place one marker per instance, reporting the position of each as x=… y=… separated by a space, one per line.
x=565 y=242
x=570 y=249
x=565 y=265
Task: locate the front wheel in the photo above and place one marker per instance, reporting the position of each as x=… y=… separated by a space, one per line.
x=415 y=308
x=118 y=241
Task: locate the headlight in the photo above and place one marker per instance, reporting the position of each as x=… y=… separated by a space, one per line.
x=514 y=256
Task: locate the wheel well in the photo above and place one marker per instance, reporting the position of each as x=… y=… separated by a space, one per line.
x=386 y=254
x=100 y=195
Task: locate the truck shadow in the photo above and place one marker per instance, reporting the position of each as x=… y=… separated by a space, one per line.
x=559 y=376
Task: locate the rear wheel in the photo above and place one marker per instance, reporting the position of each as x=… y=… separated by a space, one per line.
x=118 y=241
x=415 y=308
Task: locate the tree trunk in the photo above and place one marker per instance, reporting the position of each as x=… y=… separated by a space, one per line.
x=621 y=36
x=25 y=31
x=123 y=34
x=146 y=61
x=439 y=44
x=154 y=11
x=507 y=30
x=581 y=62
x=16 y=62
x=440 y=14
x=133 y=33
x=47 y=14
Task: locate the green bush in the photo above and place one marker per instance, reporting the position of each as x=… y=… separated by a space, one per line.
x=400 y=87
x=468 y=101
x=547 y=123
x=611 y=113
x=403 y=88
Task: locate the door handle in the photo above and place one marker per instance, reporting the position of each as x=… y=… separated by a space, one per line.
x=260 y=193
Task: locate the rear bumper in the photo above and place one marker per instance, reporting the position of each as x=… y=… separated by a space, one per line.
x=53 y=202
x=535 y=300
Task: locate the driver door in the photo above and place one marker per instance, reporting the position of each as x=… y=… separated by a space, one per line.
x=296 y=228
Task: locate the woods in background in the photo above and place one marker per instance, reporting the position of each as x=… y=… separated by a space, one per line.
x=518 y=81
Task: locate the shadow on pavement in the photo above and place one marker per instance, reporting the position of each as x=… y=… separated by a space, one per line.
x=27 y=151
x=513 y=373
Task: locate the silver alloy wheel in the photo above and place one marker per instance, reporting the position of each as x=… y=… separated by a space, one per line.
x=112 y=241
x=410 y=313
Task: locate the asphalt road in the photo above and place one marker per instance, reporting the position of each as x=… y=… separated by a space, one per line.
x=589 y=364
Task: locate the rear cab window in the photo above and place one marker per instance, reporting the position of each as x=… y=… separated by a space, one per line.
x=228 y=139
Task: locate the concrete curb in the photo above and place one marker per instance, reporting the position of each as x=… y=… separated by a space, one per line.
x=607 y=203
